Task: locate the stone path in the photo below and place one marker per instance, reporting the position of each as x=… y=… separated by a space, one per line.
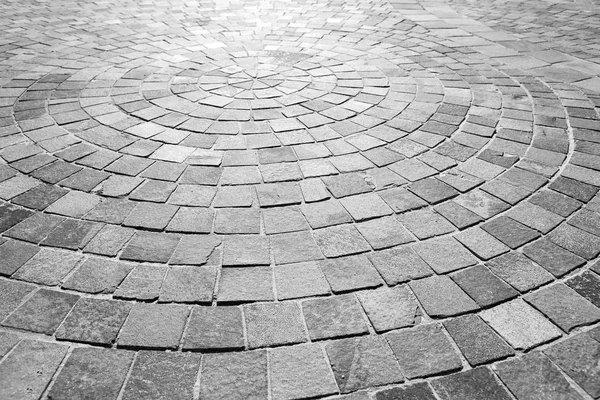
x=300 y=199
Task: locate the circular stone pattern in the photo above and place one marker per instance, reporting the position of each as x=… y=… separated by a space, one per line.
x=313 y=199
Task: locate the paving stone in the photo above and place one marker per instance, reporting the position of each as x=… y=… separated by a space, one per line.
x=534 y=376
x=237 y=220
x=14 y=255
x=193 y=196
x=333 y=317
x=159 y=375
x=575 y=189
x=324 y=214
x=401 y=200
x=239 y=285
x=565 y=307
x=399 y=265
x=143 y=283
x=150 y=247
x=577 y=241
x=93 y=373
x=300 y=372
x=35 y=228
x=240 y=376
x=390 y=308
x=477 y=341
x=300 y=280
x=416 y=391
x=72 y=234
x=482 y=204
x=555 y=202
x=153 y=326
x=294 y=247
x=195 y=249
x=197 y=175
x=578 y=357
x=553 y=258
x=441 y=297
x=7 y=342
x=97 y=275
x=519 y=271
x=95 y=321
x=346 y=185
x=360 y=363
x=283 y=219
x=365 y=206
x=510 y=232
x=12 y=295
x=278 y=194
x=350 y=273
x=520 y=325
x=457 y=215
x=314 y=190
x=534 y=217
x=340 y=240
x=484 y=245
x=444 y=254
x=11 y=216
x=587 y=285
x=48 y=267
x=109 y=240
x=214 y=328
x=384 y=232
x=150 y=216
x=236 y=196
x=432 y=190
x=478 y=383
x=74 y=204
x=483 y=286
x=425 y=223
x=273 y=324
x=111 y=211
x=246 y=250
x=43 y=312
x=188 y=285
x=28 y=369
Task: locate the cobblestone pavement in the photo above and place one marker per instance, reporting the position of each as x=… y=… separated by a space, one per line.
x=300 y=199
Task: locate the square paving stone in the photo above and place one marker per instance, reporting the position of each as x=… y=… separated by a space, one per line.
x=425 y=223
x=7 y=342
x=278 y=194
x=35 y=228
x=340 y=240
x=441 y=297
x=28 y=369
x=346 y=185
x=48 y=267
x=162 y=375
x=564 y=306
x=238 y=285
x=237 y=220
x=578 y=357
x=482 y=204
x=236 y=196
x=214 y=328
x=12 y=295
x=326 y=213
x=150 y=247
x=360 y=363
x=350 y=273
x=153 y=326
x=458 y=215
x=519 y=271
x=553 y=258
x=195 y=249
x=143 y=283
x=294 y=247
x=188 y=285
x=332 y=317
x=535 y=217
x=390 y=308
x=572 y=188
x=166 y=171
x=484 y=245
x=246 y=250
x=273 y=324
x=418 y=391
x=384 y=232
x=587 y=285
x=510 y=232
x=74 y=204
x=432 y=190
x=587 y=220
x=483 y=286
x=111 y=211
x=14 y=254
x=193 y=196
x=40 y=197
x=92 y=373
x=11 y=216
x=150 y=216
x=577 y=241
x=424 y=351
x=314 y=190
x=477 y=341
x=365 y=206
x=533 y=376
x=192 y=220
x=72 y=234
x=475 y=384
x=520 y=325
x=94 y=321
x=300 y=372
x=444 y=254
x=98 y=275
x=399 y=265
x=43 y=312
x=300 y=280
x=234 y=376
x=109 y=240
x=283 y=220
x=401 y=200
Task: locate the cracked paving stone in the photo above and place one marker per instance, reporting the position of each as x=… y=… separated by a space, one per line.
x=273 y=324
x=478 y=383
x=332 y=317
x=195 y=249
x=97 y=275
x=360 y=363
x=214 y=328
x=424 y=351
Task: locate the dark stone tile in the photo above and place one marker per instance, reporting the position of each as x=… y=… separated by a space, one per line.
x=575 y=189
x=457 y=215
x=111 y=211
x=483 y=286
x=432 y=190
x=417 y=391
x=43 y=312
x=587 y=285
x=35 y=228
x=14 y=254
x=553 y=258
x=510 y=232
x=401 y=200
x=332 y=317
x=94 y=321
x=72 y=234
x=214 y=329
x=484 y=245
x=12 y=295
x=360 y=363
x=92 y=373
x=555 y=202
x=48 y=267
x=11 y=216
x=475 y=384
x=477 y=341
x=40 y=196
x=273 y=324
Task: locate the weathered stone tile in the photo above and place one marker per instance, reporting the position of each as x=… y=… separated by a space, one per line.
x=340 y=240
x=294 y=247
x=150 y=216
x=72 y=234
x=195 y=249
x=350 y=273
x=484 y=245
x=384 y=232
x=191 y=220
x=214 y=328
x=35 y=228
x=577 y=241
x=425 y=223
x=390 y=308
x=97 y=275
x=246 y=250
x=150 y=247
x=420 y=391
x=325 y=213
x=510 y=232
x=444 y=254
x=441 y=297
x=332 y=317
x=478 y=383
x=400 y=264
x=587 y=285
x=48 y=267
x=273 y=324
x=483 y=286
x=12 y=295
x=283 y=220
x=14 y=254
x=519 y=271
x=188 y=285
x=143 y=283
x=553 y=258
x=238 y=285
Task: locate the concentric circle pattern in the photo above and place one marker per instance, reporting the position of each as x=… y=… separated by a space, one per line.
x=308 y=199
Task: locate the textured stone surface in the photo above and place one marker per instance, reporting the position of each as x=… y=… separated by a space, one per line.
x=273 y=324
x=214 y=328
x=333 y=317
x=478 y=383
x=441 y=297
x=390 y=308
x=153 y=326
